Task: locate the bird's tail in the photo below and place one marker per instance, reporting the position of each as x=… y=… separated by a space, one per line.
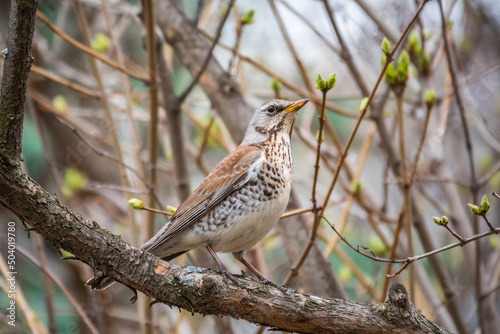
x=100 y=282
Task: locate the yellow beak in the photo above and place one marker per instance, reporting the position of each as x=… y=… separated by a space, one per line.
x=294 y=107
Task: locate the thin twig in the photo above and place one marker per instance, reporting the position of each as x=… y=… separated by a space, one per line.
x=78 y=305
x=468 y=146
x=286 y=83
x=345 y=54
x=319 y=140
x=89 y=50
x=295 y=268
x=209 y=55
x=409 y=260
x=302 y=71
x=311 y=26
x=116 y=144
x=296 y=212
x=60 y=80
x=102 y=153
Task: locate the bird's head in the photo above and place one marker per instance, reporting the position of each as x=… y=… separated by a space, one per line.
x=272 y=118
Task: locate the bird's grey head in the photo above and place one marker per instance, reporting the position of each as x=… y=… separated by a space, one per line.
x=272 y=118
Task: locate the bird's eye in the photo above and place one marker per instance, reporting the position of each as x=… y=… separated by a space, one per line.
x=271 y=109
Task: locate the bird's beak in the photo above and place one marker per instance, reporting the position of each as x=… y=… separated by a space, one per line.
x=294 y=107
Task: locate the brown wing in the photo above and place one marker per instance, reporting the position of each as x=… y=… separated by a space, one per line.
x=228 y=176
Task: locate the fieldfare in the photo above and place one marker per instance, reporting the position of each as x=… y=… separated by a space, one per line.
x=240 y=200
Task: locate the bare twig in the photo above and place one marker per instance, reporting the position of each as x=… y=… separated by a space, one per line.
x=209 y=55
x=55 y=279
x=296 y=267
x=56 y=78
x=345 y=54
x=286 y=83
x=84 y=28
x=409 y=260
x=468 y=146
x=89 y=50
x=302 y=71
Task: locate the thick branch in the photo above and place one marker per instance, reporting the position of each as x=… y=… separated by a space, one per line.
x=196 y=289
x=15 y=76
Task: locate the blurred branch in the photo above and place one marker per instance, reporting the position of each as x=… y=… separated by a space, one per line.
x=311 y=26
x=299 y=91
x=302 y=71
x=108 y=117
x=149 y=224
x=20 y=300
x=60 y=80
x=91 y=52
x=209 y=54
x=48 y=291
x=407 y=261
x=345 y=54
x=192 y=51
x=77 y=305
x=473 y=179
x=381 y=24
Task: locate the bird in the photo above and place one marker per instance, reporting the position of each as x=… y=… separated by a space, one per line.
x=239 y=201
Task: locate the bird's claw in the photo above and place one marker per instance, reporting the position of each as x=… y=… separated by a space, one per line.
x=280 y=287
x=229 y=277
x=154 y=301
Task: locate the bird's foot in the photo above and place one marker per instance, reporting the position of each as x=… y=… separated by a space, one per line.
x=134 y=297
x=229 y=277
x=280 y=287
x=154 y=301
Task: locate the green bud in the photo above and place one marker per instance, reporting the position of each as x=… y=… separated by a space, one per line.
x=485 y=204
x=322 y=139
x=100 y=43
x=376 y=245
x=320 y=83
x=425 y=63
x=414 y=44
x=65 y=253
x=247 y=18
x=363 y=104
x=402 y=67
x=438 y=221
x=330 y=83
x=59 y=103
x=345 y=274
x=136 y=203
x=73 y=181
x=444 y=219
x=386 y=47
x=275 y=84
x=171 y=209
x=357 y=188
x=474 y=209
x=430 y=97
x=390 y=74
x=449 y=25
x=493 y=239
x=383 y=59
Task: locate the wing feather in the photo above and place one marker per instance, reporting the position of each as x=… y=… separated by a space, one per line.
x=228 y=176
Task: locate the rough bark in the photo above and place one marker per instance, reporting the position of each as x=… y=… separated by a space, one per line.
x=15 y=75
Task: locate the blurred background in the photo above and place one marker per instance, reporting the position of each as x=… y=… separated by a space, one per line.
x=86 y=139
